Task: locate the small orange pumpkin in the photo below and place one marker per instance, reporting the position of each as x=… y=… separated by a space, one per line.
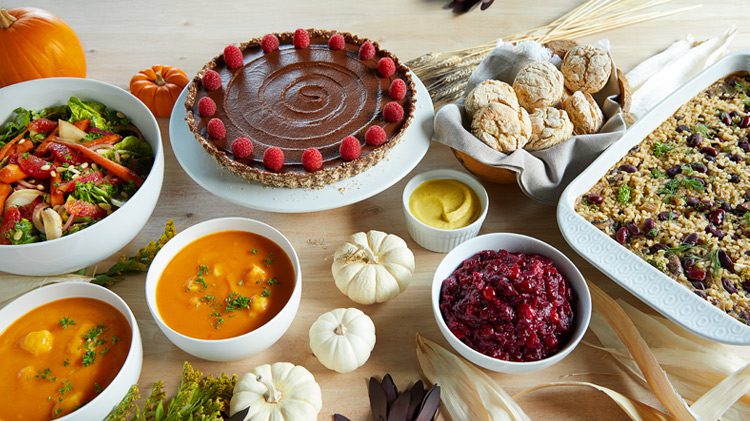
x=158 y=87
x=34 y=44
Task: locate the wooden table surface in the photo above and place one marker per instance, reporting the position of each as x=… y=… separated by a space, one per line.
x=121 y=38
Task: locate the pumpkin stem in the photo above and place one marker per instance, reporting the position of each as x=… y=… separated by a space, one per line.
x=273 y=395
x=6 y=19
x=160 y=81
x=369 y=257
x=340 y=330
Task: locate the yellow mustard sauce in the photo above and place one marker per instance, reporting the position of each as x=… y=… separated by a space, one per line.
x=445 y=204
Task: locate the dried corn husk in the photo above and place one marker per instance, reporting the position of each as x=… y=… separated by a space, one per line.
x=467 y=393
x=636 y=410
x=693 y=364
x=653 y=374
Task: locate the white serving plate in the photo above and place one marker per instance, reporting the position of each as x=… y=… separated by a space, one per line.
x=395 y=166
x=647 y=283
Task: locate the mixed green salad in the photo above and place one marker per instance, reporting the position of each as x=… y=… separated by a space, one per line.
x=66 y=167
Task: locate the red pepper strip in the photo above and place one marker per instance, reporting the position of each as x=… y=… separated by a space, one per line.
x=116 y=169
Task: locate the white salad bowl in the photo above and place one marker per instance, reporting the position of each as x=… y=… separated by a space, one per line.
x=102 y=404
x=106 y=237
x=237 y=347
x=515 y=243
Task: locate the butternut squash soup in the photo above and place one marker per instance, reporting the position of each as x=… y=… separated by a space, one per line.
x=224 y=285
x=59 y=356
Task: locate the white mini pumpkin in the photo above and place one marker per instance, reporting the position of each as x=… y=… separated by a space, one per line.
x=278 y=392
x=343 y=339
x=373 y=267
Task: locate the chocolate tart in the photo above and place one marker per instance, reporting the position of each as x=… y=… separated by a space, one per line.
x=298 y=98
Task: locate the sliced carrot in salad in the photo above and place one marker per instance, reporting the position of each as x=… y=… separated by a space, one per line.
x=108 y=139
x=57 y=196
x=5 y=150
x=122 y=172
x=12 y=173
x=5 y=190
x=83 y=124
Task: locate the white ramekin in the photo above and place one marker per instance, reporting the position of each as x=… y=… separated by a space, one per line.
x=437 y=239
x=237 y=347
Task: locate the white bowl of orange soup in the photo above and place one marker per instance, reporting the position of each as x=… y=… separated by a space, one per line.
x=69 y=351
x=225 y=289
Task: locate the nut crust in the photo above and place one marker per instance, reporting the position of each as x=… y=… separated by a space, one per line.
x=550 y=126
x=586 y=68
x=539 y=84
x=583 y=112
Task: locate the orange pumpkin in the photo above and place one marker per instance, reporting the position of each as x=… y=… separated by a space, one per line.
x=34 y=44
x=158 y=87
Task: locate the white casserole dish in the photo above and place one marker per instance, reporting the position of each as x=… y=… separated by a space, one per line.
x=624 y=267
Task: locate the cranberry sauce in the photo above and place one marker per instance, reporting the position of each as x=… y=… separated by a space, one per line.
x=510 y=306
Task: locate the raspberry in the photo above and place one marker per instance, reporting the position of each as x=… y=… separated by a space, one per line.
x=386 y=67
x=312 y=160
x=301 y=38
x=375 y=136
x=393 y=112
x=273 y=159
x=206 y=107
x=269 y=43
x=242 y=147
x=216 y=129
x=211 y=80
x=233 y=57
x=366 y=51
x=350 y=148
x=336 y=42
x=397 y=90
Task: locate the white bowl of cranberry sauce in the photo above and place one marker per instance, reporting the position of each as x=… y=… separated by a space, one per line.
x=510 y=303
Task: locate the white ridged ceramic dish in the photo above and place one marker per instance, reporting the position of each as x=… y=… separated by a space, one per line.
x=102 y=404
x=514 y=243
x=104 y=238
x=238 y=347
x=627 y=269
x=436 y=239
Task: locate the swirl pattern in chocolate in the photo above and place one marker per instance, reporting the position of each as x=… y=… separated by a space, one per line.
x=296 y=99
x=300 y=98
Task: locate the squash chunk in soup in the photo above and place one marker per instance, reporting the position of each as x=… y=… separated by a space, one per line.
x=224 y=285
x=59 y=356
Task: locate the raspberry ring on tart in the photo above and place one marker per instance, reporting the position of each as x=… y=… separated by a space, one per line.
x=293 y=93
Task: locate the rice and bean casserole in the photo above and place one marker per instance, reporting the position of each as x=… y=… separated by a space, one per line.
x=681 y=198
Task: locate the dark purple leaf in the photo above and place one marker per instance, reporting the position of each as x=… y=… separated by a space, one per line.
x=378 y=401
x=400 y=408
x=430 y=405
x=417 y=393
x=390 y=389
